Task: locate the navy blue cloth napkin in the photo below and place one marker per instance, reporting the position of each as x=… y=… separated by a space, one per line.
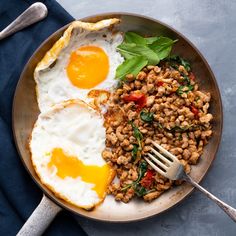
x=19 y=195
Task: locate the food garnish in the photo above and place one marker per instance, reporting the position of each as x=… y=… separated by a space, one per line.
x=146 y=116
x=137 y=134
x=139 y=51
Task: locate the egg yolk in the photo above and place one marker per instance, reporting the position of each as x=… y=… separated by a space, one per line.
x=72 y=167
x=88 y=66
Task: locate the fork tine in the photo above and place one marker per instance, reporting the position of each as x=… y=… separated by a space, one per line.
x=168 y=154
x=163 y=158
x=154 y=159
x=157 y=169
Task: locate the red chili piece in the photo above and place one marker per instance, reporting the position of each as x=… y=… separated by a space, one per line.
x=194 y=110
x=138 y=98
x=160 y=83
x=191 y=76
x=148 y=179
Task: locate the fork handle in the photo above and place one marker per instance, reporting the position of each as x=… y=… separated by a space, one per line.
x=230 y=211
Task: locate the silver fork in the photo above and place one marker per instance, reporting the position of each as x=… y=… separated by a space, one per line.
x=169 y=166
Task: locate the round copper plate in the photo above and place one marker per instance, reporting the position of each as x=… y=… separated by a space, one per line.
x=25 y=112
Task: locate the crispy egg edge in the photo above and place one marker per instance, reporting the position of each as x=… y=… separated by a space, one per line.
x=64 y=40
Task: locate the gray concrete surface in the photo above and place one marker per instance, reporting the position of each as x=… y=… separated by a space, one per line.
x=210 y=25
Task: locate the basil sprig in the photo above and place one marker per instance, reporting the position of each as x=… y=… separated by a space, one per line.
x=137 y=134
x=139 y=52
x=146 y=116
x=131 y=66
x=135 y=152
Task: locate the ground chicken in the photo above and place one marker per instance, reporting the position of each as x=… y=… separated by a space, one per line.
x=176 y=119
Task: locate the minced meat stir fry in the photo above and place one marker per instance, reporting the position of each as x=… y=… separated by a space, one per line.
x=164 y=104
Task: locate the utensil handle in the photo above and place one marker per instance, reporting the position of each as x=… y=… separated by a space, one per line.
x=31 y=15
x=41 y=217
x=230 y=211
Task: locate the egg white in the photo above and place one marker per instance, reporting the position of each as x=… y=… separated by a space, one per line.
x=53 y=85
x=78 y=130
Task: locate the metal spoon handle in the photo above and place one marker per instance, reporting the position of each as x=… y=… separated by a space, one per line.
x=31 y=15
x=230 y=211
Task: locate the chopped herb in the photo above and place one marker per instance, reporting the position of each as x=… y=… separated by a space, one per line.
x=134 y=152
x=137 y=134
x=186 y=86
x=174 y=62
x=185 y=64
x=183 y=129
x=180 y=137
x=179 y=129
x=140 y=190
x=182 y=89
x=146 y=116
x=174 y=66
x=142 y=171
x=186 y=79
x=181 y=61
x=127 y=187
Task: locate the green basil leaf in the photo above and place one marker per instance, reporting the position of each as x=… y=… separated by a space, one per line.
x=179 y=129
x=139 y=50
x=127 y=187
x=162 y=46
x=131 y=66
x=186 y=79
x=140 y=190
x=127 y=55
x=131 y=37
x=137 y=134
x=151 y=40
x=180 y=90
x=134 y=152
x=146 y=116
x=180 y=137
x=181 y=61
x=185 y=64
x=142 y=170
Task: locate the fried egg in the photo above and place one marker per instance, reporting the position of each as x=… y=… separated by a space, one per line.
x=83 y=59
x=66 y=151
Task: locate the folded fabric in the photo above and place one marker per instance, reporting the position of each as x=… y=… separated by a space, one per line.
x=19 y=195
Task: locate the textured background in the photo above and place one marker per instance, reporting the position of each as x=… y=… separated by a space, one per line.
x=210 y=25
